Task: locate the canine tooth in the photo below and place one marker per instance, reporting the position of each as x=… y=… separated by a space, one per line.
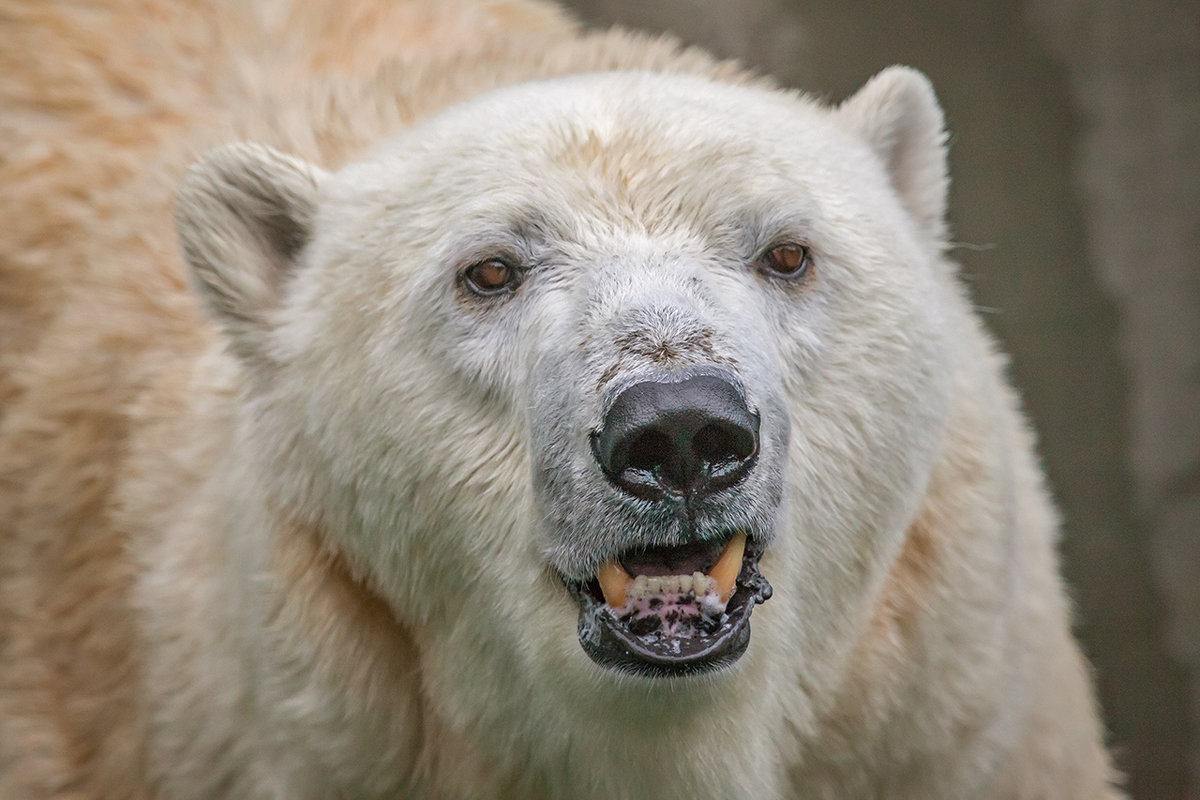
x=726 y=570
x=613 y=581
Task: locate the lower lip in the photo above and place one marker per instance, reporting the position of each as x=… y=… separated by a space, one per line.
x=610 y=644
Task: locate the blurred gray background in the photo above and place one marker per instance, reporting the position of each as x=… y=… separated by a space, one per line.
x=1075 y=155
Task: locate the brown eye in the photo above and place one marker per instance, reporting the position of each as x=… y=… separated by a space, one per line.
x=491 y=277
x=787 y=260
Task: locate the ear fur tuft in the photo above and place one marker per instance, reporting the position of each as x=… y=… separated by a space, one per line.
x=898 y=115
x=244 y=213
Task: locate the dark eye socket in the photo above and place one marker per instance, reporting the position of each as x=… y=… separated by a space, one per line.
x=492 y=276
x=787 y=260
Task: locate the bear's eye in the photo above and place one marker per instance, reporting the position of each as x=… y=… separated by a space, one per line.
x=787 y=260
x=491 y=277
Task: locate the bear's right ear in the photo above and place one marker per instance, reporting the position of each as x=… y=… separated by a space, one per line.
x=244 y=214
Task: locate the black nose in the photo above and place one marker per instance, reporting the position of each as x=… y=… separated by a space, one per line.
x=692 y=437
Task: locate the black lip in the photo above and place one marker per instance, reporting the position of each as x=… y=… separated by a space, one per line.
x=610 y=643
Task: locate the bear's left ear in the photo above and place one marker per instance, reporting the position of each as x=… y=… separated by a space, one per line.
x=244 y=214
x=898 y=115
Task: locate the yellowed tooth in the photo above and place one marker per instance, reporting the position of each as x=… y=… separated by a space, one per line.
x=613 y=580
x=726 y=570
x=700 y=583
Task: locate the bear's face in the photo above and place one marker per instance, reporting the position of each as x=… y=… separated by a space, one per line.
x=605 y=357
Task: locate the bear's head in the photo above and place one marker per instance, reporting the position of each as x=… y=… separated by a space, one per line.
x=584 y=368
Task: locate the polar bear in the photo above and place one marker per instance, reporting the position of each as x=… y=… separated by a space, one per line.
x=550 y=415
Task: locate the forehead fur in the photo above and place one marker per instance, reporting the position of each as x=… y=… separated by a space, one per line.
x=621 y=144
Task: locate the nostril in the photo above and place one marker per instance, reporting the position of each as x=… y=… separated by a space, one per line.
x=720 y=445
x=649 y=451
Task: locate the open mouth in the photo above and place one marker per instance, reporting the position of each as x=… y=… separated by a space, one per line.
x=665 y=611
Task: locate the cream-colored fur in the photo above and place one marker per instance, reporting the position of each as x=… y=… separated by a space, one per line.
x=276 y=535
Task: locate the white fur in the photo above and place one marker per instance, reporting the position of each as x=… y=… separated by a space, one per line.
x=302 y=530
x=396 y=419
